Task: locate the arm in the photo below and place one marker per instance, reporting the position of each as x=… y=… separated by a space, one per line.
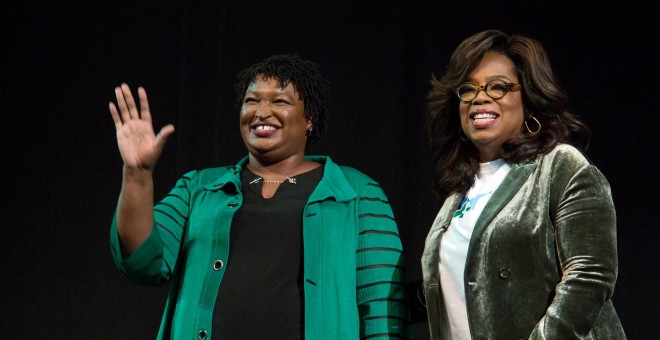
x=380 y=268
x=140 y=149
x=585 y=235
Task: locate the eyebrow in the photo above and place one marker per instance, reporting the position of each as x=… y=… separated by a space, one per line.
x=497 y=76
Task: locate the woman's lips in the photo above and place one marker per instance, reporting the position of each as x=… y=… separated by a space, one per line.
x=264 y=130
x=483 y=119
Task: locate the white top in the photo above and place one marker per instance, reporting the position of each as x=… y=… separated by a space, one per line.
x=455 y=242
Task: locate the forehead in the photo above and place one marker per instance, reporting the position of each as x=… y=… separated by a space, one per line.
x=270 y=84
x=494 y=65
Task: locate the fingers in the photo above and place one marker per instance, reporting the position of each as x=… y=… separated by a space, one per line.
x=126 y=108
x=165 y=132
x=144 y=104
x=115 y=115
x=121 y=104
x=162 y=136
x=130 y=102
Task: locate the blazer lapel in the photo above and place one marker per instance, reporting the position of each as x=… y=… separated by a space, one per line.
x=502 y=195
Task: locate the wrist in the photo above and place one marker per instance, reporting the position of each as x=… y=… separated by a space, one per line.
x=137 y=174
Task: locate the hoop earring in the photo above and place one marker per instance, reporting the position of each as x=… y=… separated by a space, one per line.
x=308 y=132
x=461 y=134
x=533 y=133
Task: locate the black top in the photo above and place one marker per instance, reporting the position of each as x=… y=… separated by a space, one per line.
x=261 y=294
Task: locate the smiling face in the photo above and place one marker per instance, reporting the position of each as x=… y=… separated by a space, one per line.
x=489 y=122
x=273 y=122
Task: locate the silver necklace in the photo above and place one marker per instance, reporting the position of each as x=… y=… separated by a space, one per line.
x=259 y=179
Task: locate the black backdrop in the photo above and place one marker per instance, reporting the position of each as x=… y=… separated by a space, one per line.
x=61 y=169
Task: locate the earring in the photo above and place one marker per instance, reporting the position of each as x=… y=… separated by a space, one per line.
x=533 y=133
x=308 y=132
x=461 y=135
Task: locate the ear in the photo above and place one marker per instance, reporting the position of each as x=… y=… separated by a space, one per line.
x=309 y=122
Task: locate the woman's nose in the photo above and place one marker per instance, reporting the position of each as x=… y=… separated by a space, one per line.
x=263 y=111
x=481 y=97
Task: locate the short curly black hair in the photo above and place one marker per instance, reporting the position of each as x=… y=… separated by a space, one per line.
x=306 y=78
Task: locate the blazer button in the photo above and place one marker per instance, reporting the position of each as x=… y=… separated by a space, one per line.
x=505 y=273
x=218 y=264
x=202 y=335
x=232 y=205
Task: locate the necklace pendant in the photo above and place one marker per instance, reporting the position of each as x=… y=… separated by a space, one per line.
x=273 y=181
x=260 y=179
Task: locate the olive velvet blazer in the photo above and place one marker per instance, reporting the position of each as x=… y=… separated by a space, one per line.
x=542 y=259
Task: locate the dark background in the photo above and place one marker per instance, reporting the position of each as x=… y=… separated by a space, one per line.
x=61 y=167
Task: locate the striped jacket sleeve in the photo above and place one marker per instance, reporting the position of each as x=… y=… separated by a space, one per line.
x=153 y=262
x=380 y=268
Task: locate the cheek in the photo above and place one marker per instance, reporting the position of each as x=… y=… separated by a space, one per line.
x=518 y=113
x=462 y=110
x=514 y=104
x=294 y=117
x=463 y=113
x=245 y=115
x=513 y=110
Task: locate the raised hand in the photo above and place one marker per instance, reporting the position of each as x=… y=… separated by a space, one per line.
x=139 y=146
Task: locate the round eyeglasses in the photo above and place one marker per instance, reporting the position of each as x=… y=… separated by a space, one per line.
x=495 y=89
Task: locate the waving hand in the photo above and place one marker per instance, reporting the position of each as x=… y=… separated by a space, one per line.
x=139 y=146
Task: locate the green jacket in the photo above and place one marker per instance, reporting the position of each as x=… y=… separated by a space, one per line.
x=353 y=262
x=542 y=259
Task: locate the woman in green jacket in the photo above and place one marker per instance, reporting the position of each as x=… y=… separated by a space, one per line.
x=280 y=245
x=524 y=246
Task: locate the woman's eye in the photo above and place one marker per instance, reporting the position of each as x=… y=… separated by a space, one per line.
x=466 y=89
x=498 y=87
x=249 y=100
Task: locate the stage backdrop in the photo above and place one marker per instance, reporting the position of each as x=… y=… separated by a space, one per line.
x=61 y=168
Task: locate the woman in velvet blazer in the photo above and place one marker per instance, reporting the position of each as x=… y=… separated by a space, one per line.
x=524 y=246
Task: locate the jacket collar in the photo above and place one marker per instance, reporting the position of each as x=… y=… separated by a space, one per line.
x=229 y=180
x=333 y=184
x=502 y=195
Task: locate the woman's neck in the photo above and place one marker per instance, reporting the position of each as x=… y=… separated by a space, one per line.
x=285 y=168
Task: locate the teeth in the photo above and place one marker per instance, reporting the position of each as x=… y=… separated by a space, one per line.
x=265 y=127
x=484 y=116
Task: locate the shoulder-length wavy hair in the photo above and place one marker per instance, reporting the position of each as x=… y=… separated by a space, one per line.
x=457 y=161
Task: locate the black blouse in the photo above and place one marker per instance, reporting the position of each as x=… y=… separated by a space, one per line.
x=261 y=294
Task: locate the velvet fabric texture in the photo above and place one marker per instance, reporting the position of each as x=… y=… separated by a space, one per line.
x=542 y=259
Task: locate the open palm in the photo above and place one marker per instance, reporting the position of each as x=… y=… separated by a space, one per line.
x=138 y=145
